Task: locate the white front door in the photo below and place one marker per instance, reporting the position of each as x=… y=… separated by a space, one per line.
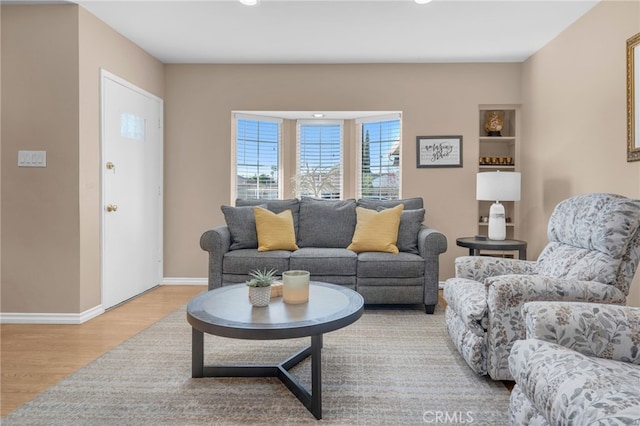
x=131 y=190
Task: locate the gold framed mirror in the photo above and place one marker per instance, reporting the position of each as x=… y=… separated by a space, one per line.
x=633 y=98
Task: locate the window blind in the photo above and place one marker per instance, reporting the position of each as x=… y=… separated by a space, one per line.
x=319 y=159
x=257 y=158
x=379 y=174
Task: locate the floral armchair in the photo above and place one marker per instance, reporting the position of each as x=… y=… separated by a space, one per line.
x=592 y=256
x=580 y=364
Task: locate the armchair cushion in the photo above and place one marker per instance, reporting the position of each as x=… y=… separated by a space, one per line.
x=580 y=364
x=596 y=330
x=602 y=222
x=567 y=387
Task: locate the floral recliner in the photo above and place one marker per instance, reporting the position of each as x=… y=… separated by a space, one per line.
x=579 y=365
x=592 y=255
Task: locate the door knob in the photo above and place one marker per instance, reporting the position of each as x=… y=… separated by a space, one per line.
x=110 y=166
x=112 y=208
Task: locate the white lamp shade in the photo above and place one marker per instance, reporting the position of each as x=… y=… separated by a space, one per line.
x=498 y=186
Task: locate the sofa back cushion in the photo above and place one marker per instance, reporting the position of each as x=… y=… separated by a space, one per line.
x=242 y=226
x=410 y=224
x=590 y=237
x=326 y=223
x=409 y=203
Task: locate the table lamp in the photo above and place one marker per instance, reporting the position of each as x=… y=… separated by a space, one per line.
x=498 y=186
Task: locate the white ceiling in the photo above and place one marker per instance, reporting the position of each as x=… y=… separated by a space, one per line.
x=339 y=31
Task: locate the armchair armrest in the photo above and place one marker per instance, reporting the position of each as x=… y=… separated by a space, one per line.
x=477 y=268
x=511 y=291
x=598 y=330
x=507 y=293
x=217 y=242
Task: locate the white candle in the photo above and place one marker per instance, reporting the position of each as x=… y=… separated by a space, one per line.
x=295 y=287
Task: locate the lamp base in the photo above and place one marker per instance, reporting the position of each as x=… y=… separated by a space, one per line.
x=497 y=224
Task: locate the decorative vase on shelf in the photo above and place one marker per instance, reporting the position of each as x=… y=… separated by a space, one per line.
x=494 y=122
x=295 y=287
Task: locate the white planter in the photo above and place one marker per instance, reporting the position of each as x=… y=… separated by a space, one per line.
x=260 y=296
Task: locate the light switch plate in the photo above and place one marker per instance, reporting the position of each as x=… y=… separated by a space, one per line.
x=32 y=158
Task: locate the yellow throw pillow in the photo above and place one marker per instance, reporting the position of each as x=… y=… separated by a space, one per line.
x=275 y=231
x=376 y=231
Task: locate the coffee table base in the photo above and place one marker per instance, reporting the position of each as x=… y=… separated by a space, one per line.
x=312 y=401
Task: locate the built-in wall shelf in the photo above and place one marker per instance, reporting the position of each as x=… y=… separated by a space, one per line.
x=499 y=153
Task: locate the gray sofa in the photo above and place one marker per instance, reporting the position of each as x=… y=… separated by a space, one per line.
x=324 y=228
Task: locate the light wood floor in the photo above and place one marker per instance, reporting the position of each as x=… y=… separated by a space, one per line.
x=35 y=357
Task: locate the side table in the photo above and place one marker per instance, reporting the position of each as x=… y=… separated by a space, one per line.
x=475 y=246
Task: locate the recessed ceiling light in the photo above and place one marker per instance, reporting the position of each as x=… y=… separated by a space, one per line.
x=318 y=115
x=417 y=1
x=249 y=2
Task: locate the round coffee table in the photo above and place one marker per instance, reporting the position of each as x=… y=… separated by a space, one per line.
x=226 y=312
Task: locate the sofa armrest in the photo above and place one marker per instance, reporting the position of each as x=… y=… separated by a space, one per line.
x=431 y=242
x=477 y=268
x=598 y=330
x=216 y=241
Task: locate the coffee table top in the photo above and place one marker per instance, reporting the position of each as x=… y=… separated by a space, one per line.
x=227 y=312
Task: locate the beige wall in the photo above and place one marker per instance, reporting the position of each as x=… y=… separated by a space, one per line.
x=435 y=99
x=51 y=59
x=40 y=246
x=574 y=110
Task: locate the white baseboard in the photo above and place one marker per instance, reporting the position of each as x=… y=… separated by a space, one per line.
x=55 y=318
x=43 y=318
x=184 y=281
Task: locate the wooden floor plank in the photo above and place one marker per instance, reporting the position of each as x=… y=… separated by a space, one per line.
x=37 y=356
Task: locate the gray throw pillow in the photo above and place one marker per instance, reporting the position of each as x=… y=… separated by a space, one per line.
x=409 y=203
x=276 y=206
x=326 y=223
x=242 y=226
x=410 y=222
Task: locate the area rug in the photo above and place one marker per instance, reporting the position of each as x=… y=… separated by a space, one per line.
x=391 y=367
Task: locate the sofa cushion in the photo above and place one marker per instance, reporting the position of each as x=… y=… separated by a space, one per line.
x=240 y=262
x=326 y=223
x=324 y=261
x=410 y=223
x=242 y=226
x=409 y=203
x=387 y=265
x=276 y=206
x=376 y=231
x=275 y=231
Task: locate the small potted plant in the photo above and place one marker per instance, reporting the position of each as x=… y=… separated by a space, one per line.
x=260 y=286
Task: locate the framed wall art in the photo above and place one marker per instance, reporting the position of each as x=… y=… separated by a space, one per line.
x=439 y=151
